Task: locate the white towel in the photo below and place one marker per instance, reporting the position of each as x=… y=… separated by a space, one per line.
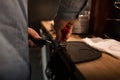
x=110 y=46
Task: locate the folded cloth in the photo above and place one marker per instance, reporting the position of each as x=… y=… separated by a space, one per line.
x=110 y=46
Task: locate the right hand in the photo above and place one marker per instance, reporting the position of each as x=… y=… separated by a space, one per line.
x=63 y=29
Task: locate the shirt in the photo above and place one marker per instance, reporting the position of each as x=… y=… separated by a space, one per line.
x=14 y=58
x=69 y=9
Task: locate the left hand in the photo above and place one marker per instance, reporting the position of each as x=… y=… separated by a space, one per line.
x=34 y=34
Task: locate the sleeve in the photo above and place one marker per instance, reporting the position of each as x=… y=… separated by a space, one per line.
x=69 y=9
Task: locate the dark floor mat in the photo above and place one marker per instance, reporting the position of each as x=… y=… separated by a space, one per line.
x=81 y=52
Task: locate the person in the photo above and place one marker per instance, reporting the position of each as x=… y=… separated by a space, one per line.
x=66 y=17
x=14 y=55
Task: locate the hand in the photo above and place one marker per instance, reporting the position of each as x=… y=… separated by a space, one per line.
x=34 y=34
x=63 y=29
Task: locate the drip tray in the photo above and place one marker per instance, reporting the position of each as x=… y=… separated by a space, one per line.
x=81 y=52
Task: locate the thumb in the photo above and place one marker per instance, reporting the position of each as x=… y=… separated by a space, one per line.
x=58 y=36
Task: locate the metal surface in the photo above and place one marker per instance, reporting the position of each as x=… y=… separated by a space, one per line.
x=44 y=57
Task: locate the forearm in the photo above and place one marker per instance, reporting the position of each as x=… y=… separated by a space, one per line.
x=69 y=9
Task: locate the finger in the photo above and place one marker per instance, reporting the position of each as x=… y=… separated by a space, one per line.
x=31 y=43
x=70 y=32
x=58 y=36
x=33 y=33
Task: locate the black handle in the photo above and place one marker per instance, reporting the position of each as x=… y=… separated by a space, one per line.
x=39 y=41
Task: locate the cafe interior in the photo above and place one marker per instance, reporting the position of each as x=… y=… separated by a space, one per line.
x=92 y=52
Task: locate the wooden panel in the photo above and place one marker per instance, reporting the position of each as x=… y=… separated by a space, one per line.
x=42 y=10
x=99 y=13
